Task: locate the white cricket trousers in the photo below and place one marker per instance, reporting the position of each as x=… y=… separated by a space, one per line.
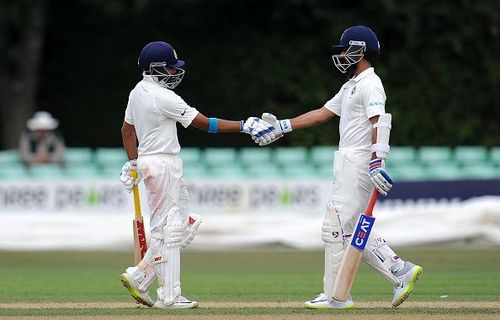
x=351 y=191
x=166 y=188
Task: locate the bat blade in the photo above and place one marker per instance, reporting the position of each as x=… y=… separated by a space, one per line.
x=140 y=243
x=347 y=273
x=354 y=252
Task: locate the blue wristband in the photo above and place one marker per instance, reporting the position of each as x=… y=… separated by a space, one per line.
x=213 y=125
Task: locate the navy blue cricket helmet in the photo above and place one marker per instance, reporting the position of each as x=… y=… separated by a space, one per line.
x=160 y=60
x=159 y=51
x=355 y=43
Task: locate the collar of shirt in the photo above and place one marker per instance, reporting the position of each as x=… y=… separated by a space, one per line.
x=149 y=79
x=363 y=74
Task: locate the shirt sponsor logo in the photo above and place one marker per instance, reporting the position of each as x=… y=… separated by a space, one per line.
x=184 y=112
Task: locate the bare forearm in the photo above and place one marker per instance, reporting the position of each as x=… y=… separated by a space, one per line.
x=130 y=146
x=129 y=141
x=374 y=120
x=203 y=123
x=312 y=118
x=228 y=126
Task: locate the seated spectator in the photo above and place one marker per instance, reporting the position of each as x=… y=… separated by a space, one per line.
x=41 y=142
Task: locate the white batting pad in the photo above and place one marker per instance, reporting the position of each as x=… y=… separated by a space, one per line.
x=381 y=257
x=169 y=262
x=332 y=235
x=172 y=283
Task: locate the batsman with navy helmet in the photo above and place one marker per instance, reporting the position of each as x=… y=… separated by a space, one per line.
x=149 y=135
x=358 y=165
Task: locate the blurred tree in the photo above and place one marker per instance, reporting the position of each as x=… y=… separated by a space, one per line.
x=21 y=39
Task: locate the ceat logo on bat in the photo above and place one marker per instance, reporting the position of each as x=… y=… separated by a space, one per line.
x=363 y=229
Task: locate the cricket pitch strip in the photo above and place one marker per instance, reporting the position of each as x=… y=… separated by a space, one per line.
x=238 y=310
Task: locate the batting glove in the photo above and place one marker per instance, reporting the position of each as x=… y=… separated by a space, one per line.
x=125 y=177
x=191 y=230
x=258 y=128
x=379 y=177
x=282 y=127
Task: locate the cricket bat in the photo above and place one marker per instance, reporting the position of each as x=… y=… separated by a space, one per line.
x=352 y=256
x=140 y=245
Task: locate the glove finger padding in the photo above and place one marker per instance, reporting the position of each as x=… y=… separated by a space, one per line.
x=379 y=177
x=382 y=183
x=278 y=130
x=270 y=118
x=264 y=142
x=377 y=187
x=125 y=177
x=191 y=230
x=263 y=133
x=387 y=178
x=263 y=129
x=250 y=124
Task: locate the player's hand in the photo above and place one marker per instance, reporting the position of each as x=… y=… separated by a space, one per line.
x=379 y=177
x=259 y=129
x=125 y=177
x=281 y=127
x=248 y=125
x=191 y=229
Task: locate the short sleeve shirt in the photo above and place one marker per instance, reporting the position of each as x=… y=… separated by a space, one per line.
x=155 y=111
x=358 y=100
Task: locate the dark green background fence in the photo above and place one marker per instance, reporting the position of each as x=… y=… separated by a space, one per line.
x=440 y=64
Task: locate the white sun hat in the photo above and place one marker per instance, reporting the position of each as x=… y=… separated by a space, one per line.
x=42 y=120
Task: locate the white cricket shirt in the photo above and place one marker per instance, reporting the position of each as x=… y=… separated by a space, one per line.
x=154 y=111
x=358 y=100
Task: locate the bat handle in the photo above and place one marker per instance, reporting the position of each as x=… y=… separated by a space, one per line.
x=371 y=203
x=133 y=174
x=137 y=199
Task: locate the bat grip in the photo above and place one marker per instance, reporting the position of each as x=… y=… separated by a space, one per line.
x=137 y=199
x=371 y=203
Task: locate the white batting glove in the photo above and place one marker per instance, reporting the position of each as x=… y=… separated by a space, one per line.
x=258 y=128
x=379 y=177
x=281 y=127
x=247 y=126
x=191 y=230
x=125 y=177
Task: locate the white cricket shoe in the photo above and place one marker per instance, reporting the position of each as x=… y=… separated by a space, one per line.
x=321 y=302
x=180 y=303
x=132 y=287
x=407 y=276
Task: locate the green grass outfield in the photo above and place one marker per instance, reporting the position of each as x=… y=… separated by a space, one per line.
x=451 y=275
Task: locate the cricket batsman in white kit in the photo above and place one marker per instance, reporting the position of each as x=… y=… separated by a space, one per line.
x=150 y=118
x=358 y=165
